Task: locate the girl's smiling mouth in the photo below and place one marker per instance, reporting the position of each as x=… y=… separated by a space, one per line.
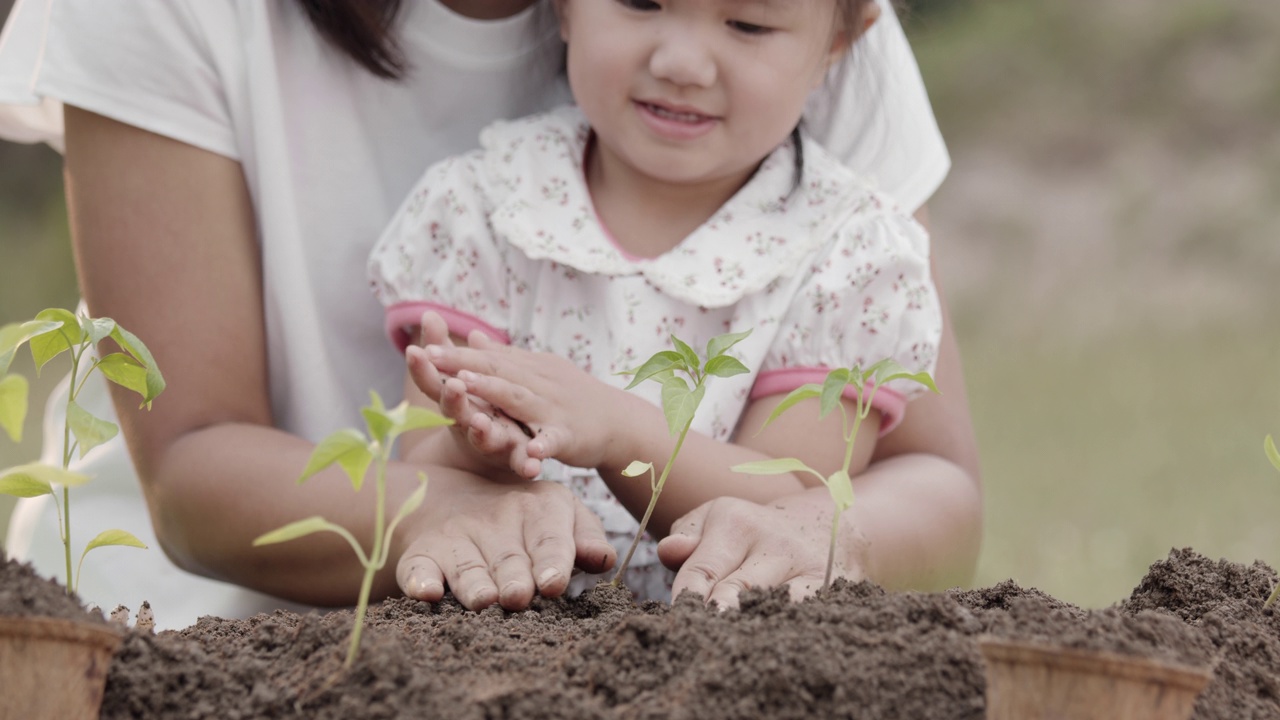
x=675 y=122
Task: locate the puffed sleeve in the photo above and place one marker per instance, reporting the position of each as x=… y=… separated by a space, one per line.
x=869 y=296
x=439 y=253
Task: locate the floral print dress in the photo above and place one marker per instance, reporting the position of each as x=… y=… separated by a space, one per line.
x=824 y=270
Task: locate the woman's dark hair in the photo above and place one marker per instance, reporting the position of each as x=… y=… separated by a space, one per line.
x=363 y=30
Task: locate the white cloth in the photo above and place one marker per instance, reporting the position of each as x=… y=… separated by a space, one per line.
x=824 y=271
x=329 y=152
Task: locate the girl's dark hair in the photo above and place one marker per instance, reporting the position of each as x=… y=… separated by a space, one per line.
x=363 y=30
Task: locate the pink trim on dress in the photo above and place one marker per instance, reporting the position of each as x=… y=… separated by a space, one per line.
x=405 y=316
x=891 y=403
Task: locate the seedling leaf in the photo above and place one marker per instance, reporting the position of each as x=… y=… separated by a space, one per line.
x=688 y=355
x=679 y=403
x=717 y=345
x=725 y=366
x=113 y=537
x=50 y=344
x=841 y=489
x=407 y=417
x=889 y=369
x=776 y=466
x=833 y=389
x=97 y=328
x=804 y=392
x=13 y=405
x=14 y=334
x=124 y=371
x=1273 y=455
x=90 y=431
x=659 y=363
x=637 y=468
x=35 y=479
x=376 y=418
x=411 y=503
x=294 y=530
x=132 y=345
x=349 y=449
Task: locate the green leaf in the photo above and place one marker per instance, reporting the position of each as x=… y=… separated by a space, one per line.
x=719 y=344
x=132 y=345
x=36 y=478
x=841 y=489
x=113 y=537
x=376 y=418
x=661 y=362
x=14 y=392
x=688 y=356
x=124 y=371
x=833 y=389
x=90 y=431
x=725 y=366
x=295 y=530
x=637 y=468
x=1269 y=446
x=888 y=369
x=52 y=343
x=777 y=466
x=804 y=392
x=349 y=449
x=97 y=328
x=14 y=334
x=406 y=417
x=679 y=403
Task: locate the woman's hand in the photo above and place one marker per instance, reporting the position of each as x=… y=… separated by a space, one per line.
x=490 y=543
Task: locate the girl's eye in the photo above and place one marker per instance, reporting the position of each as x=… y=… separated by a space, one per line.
x=641 y=5
x=747 y=28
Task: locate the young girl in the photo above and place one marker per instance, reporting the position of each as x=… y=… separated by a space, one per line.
x=677 y=197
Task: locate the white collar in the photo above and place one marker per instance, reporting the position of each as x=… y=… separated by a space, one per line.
x=764 y=232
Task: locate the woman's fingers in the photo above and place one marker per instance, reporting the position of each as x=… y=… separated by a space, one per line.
x=419 y=577
x=593 y=551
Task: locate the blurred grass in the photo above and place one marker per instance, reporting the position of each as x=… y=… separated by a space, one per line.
x=1109 y=241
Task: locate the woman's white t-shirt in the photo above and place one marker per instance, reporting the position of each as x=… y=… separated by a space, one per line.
x=329 y=152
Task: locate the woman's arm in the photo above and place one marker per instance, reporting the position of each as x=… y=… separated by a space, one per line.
x=166 y=244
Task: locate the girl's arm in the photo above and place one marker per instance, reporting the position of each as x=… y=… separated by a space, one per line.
x=165 y=243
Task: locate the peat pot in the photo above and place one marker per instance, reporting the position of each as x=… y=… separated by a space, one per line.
x=53 y=668
x=1027 y=681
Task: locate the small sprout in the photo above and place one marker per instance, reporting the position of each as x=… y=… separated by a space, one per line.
x=354 y=452
x=51 y=333
x=839 y=484
x=680 y=402
x=1269 y=448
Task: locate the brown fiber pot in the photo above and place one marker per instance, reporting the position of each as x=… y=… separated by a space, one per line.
x=1028 y=681
x=53 y=668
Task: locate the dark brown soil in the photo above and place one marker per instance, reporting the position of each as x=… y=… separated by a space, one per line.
x=855 y=651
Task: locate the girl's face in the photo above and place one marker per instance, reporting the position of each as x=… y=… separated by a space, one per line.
x=691 y=91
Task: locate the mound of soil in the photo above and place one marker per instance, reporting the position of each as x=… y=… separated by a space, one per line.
x=853 y=651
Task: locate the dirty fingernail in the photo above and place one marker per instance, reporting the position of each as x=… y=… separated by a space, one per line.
x=548 y=576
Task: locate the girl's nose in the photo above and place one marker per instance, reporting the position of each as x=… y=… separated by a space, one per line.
x=679 y=58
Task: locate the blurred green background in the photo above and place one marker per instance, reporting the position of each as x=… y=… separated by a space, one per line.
x=1109 y=238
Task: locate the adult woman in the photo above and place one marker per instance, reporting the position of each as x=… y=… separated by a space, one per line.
x=227 y=171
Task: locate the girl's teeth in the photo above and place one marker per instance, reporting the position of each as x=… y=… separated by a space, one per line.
x=681 y=117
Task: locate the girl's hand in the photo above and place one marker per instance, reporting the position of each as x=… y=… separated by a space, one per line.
x=571 y=414
x=486 y=437
x=500 y=543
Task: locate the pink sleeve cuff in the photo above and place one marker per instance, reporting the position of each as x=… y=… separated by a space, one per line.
x=402 y=318
x=891 y=404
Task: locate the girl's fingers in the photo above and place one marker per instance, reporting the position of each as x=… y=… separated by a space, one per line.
x=434 y=330
x=424 y=373
x=514 y=399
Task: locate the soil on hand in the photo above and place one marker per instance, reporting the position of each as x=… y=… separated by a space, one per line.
x=855 y=651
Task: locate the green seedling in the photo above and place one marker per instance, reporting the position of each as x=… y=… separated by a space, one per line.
x=680 y=402
x=1269 y=447
x=51 y=333
x=839 y=484
x=354 y=452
